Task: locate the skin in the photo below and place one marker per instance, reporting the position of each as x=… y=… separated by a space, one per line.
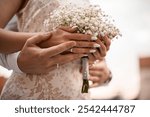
x=99 y=73
x=84 y=43
x=2 y=82
x=44 y=58
x=35 y=46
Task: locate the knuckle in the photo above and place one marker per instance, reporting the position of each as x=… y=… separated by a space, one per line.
x=39 y=36
x=28 y=42
x=65 y=35
x=72 y=43
x=41 y=57
x=34 y=54
x=84 y=37
x=104 y=54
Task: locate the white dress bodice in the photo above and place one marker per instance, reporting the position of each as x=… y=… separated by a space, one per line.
x=62 y=83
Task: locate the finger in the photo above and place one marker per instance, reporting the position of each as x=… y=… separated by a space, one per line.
x=96 y=73
x=91 y=59
x=52 y=51
x=94 y=85
x=96 y=67
x=82 y=50
x=102 y=48
x=106 y=40
x=68 y=29
x=63 y=59
x=79 y=37
x=39 y=38
x=87 y=44
x=69 y=57
x=97 y=56
x=95 y=79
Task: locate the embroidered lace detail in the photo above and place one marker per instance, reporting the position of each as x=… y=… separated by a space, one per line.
x=62 y=83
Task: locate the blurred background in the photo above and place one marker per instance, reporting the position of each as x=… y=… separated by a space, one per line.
x=129 y=56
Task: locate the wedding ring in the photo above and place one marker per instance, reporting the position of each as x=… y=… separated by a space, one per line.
x=57 y=65
x=71 y=50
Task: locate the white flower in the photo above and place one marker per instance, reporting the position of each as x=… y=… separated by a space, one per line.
x=89 y=19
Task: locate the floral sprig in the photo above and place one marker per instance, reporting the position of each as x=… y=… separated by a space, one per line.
x=89 y=19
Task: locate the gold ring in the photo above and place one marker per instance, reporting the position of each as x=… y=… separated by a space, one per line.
x=71 y=50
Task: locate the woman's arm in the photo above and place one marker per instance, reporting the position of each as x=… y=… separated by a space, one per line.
x=11 y=41
x=8 y=8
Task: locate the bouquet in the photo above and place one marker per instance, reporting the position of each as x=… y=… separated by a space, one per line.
x=89 y=19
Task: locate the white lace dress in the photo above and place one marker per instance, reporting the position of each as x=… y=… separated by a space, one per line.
x=62 y=83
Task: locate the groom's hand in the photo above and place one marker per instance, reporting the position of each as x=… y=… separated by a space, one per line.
x=35 y=60
x=84 y=44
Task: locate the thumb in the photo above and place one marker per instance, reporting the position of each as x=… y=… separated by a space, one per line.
x=39 y=38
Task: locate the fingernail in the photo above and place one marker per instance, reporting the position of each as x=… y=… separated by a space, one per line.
x=92 y=51
x=93 y=38
x=74 y=27
x=85 y=55
x=96 y=45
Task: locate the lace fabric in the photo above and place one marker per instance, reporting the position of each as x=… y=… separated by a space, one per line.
x=62 y=83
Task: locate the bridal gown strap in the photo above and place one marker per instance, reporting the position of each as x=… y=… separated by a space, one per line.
x=64 y=82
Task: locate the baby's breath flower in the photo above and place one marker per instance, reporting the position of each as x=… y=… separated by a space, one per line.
x=89 y=19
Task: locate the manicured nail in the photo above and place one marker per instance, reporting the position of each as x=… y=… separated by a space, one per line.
x=93 y=38
x=86 y=55
x=92 y=51
x=74 y=27
x=96 y=45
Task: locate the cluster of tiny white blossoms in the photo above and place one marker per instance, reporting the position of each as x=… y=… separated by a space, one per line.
x=89 y=19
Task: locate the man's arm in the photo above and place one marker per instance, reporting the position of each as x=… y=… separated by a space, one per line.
x=12 y=41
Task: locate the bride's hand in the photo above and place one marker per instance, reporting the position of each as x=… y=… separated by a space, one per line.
x=64 y=34
x=36 y=60
x=100 y=53
x=99 y=73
